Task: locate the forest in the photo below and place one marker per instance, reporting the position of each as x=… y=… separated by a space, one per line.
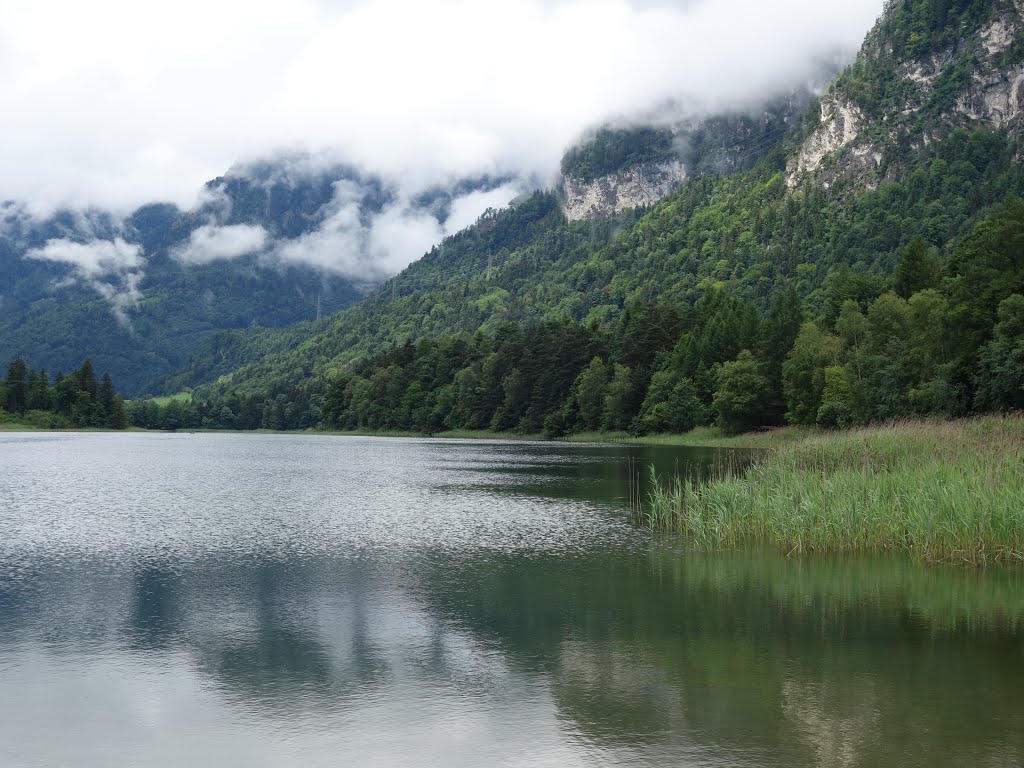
x=79 y=399
x=747 y=299
x=940 y=337
x=936 y=339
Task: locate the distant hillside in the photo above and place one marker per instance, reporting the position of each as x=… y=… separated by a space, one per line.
x=267 y=245
x=829 y=210
x=616 y=169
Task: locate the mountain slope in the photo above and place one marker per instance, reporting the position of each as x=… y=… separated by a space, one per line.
x=621 y=168
x=268 y=244
x=745 y=232
x=926 y=70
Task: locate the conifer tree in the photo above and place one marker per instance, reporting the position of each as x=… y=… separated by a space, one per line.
x=87 y=379
x=105 y=394
x=917 y=270
x=17 y=386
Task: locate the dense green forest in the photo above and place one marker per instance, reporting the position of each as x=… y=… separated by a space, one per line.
x=936 y=338
x=145 y=322
x=27 y=397
x=841 y=298
x=52 y=316
x=743 y=236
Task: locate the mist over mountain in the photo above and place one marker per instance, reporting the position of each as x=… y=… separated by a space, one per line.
x=887 y=213
x=106 y=248
x=267 y=244
x=110 y=115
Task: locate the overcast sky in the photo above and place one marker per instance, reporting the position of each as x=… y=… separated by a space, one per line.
x=119 y=102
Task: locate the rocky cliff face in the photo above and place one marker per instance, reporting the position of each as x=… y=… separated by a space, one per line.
x=639 y=167
x=841 y=124
x=996 y=91
x=975 y=80
x=637 y=187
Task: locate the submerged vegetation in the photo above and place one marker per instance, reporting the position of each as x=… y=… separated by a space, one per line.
x=938 y=491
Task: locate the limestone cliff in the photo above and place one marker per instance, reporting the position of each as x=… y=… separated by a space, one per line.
x=637 y=187
x=969 y=79
x=619 y=169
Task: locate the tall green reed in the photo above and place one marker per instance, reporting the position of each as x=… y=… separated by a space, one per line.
x=938 y=491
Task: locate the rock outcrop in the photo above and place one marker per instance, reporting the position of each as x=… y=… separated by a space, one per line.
x=637 y=187
x=988 y=74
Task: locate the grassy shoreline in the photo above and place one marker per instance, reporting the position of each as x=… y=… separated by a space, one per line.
x=939 y=491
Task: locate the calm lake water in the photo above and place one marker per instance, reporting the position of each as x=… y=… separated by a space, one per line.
x=265 y=600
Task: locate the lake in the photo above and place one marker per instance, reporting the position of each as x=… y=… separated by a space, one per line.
x=277 y=600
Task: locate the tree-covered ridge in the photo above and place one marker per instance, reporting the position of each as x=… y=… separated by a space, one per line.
x=144 y=321
x=743 y=233
x=925 y=70
x=939 y=337
x=928 y=342
x=52 y=314
x=617 y=149
x=77 y=400
x=181 y=308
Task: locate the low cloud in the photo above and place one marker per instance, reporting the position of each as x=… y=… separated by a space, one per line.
x=112 y=268
x=467 y=209
x=92 y=259
x=213 y=243
x=339 y=244
x=455 y=89
x=372 y=248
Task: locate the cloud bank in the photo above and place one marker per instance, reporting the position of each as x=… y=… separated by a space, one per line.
x=213 y=243
x=102 y=111
x=368 y=249
x=92 y=259
x=113 y=268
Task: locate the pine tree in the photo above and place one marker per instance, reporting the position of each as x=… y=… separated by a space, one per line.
x=117 y=415
x=105 y=395
x=39 y=398
x=87 y=379
x=17 y=386
x=917 y=270
x=776 y=338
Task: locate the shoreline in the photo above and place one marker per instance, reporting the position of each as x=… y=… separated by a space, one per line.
x=936 y=491
x=698 y=438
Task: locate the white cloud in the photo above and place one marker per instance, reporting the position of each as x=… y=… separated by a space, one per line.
x=211 y=243
x=372 y=248
x=112 y=268
x=339 y=245
x=467 y=209
x=91 y=259
x=106 y=112
x=397 y=237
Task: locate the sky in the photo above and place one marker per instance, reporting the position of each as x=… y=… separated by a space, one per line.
x=114 y=103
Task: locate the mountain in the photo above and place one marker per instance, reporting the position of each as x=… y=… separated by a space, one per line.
x=908 y=162
x=269 y=244
x=618 y=168
x=603 y=180
x=926 y=70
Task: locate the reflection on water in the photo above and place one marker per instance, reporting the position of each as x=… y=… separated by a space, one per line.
x=267 y=600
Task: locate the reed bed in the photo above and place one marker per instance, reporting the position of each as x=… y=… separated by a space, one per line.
x=938 y=491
